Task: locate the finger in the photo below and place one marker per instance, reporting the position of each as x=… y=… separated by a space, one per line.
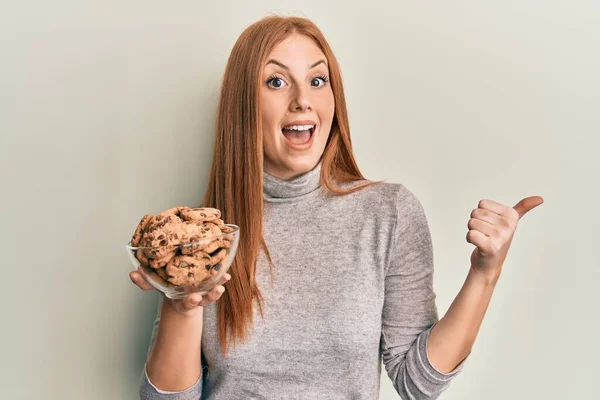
x=213 y=295
x=478 y=239
x=226 y=278
x=190 y=301
x=482 y=226
x=528 y=204
x=140 y=281
x=496 y=208
x=488 y=216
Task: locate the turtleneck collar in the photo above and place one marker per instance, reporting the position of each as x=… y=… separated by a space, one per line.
x=280 y=190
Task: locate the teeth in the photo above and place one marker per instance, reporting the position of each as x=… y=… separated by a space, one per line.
x=299 y=127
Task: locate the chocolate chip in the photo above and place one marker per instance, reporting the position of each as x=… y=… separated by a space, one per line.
x=190 y=275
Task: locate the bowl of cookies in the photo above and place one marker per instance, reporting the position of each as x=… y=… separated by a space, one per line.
x=183 y=250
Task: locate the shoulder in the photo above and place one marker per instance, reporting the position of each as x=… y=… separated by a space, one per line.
x=394 y=200
x=395 y=194
x=403 y=214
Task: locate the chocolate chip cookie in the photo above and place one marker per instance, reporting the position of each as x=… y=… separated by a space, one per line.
x=189 y=270
x=140 y=230
x=203 y=214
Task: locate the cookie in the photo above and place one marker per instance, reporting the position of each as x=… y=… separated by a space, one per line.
x=218 y=256
x=161 y=237
x=203 y=214
x=219 y=222
x=189 y=270
x=213 y=246
x=173 y=211
x=157 y=253
x=153 y=276
x=208 y=245
x=212 y=228
x=140 y=230
x=139 y=254
x=163 y=222
x=194 y=246
x=162 y=273
x=162 y=261
x=227 y=229
x=201 y=235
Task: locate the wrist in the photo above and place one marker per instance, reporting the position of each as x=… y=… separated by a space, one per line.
x=169 y=309
x=487 y=279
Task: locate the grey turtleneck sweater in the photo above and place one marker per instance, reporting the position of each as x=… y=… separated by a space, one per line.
x=352 y=287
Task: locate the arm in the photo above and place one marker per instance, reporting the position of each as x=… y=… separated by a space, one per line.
x=174 y=362
x=452 y=338
x=491 y=228
x=173 y=368
x=409 y=309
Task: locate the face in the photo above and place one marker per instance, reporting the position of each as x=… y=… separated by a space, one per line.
x=297 y=107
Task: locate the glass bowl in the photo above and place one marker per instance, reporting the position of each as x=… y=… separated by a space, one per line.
x=190 y=269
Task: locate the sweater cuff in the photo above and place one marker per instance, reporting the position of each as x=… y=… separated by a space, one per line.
x=424 y=361
x=151 y=392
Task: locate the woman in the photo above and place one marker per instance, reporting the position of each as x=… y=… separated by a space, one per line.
x=333 y=272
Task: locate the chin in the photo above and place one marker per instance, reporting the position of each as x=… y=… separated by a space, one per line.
x=301 y=165
x=293 y=167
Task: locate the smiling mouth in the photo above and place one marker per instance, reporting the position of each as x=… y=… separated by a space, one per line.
x=298 y=137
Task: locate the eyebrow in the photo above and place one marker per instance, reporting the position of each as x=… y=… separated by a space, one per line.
x=272 y=61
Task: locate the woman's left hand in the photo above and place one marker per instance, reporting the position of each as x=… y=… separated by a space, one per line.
x=491 y=228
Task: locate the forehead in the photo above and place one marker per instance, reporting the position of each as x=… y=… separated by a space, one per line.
x=296 y=48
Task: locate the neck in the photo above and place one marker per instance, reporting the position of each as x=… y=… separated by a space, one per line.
x=277 y=189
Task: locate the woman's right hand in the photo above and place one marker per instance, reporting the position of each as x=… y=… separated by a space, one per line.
x=192 y=304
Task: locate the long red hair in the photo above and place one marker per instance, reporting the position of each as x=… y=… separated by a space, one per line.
x=236 y=176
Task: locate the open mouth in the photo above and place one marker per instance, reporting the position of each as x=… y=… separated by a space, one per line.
x=299 y=135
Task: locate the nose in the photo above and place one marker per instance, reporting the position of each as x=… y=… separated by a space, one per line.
x=300 y=101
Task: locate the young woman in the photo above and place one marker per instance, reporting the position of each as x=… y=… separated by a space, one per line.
x=333 y=272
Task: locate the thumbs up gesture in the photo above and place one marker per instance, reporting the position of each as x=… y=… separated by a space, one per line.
x=491 y=229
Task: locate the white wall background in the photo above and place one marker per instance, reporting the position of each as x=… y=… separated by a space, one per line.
x=106 y=112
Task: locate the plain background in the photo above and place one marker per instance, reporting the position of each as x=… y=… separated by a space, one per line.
x=106 y=113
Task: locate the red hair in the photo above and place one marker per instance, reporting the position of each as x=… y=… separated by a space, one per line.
x=236 y=176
